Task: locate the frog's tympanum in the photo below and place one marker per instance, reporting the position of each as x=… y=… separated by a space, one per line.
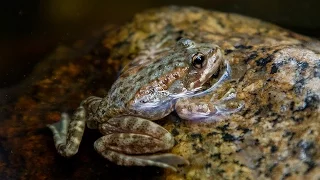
x=145 y=92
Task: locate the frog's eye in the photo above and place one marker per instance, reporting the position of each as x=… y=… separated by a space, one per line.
x=198 y=60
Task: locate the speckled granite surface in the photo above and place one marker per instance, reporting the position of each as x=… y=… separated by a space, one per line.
x=275 y=72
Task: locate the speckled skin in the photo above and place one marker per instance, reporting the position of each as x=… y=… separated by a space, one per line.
x=147 y=89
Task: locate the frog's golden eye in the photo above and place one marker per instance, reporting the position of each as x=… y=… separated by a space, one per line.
x=198 y=60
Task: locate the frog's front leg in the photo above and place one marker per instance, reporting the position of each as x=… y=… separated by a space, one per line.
x=67 y=133
x=207 y=107
x=129 y=141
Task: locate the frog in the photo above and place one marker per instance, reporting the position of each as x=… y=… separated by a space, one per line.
x=145 y=92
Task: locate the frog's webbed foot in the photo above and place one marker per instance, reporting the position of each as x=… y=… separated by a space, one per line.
x=228 y=103
x=127 y=137
x=67 y=134
x=201 y=109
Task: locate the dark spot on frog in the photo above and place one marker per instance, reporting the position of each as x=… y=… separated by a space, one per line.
x=228 y=137
x=228 y=51
x=139 y=78
x=273 y=149
x=241 y=46
x=121 y=90
x=208 y=165
x=120 y=83
x=160 y=66
x=175 y=132
x=196 y=136
x=264 y=61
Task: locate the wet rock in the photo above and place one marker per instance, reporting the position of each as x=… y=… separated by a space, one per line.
x=275 y=73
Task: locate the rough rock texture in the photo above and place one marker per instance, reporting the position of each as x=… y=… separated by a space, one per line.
x=275 y=72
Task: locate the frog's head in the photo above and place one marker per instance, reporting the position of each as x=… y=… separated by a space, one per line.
x=204 y=61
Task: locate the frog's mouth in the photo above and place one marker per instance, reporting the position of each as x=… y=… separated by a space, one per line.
x=212 y=80
x=223 y=73
x=217 y=76
x=210 y=85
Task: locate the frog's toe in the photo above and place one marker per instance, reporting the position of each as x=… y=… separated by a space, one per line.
x=229 y=107
x=169 y=161
x=60 y=128
x=67 y=134
x=229 y=103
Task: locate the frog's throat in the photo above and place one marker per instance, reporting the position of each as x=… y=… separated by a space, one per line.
x=195 y=93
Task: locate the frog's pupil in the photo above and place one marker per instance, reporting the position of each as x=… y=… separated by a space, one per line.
x=198 y=60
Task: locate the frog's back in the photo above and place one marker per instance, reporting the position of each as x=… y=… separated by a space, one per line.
x=142 y=79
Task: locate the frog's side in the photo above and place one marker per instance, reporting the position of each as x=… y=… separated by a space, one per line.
x=143 y=92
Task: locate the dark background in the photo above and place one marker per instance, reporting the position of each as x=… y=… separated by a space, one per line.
x=32 y=29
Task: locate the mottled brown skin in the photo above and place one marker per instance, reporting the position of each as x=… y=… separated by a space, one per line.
x=275 y=72
x=135 y=99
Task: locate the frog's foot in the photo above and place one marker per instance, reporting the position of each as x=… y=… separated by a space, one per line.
x=67 y=134
x=128 y=137
x=228 y=104
x=200 y=109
